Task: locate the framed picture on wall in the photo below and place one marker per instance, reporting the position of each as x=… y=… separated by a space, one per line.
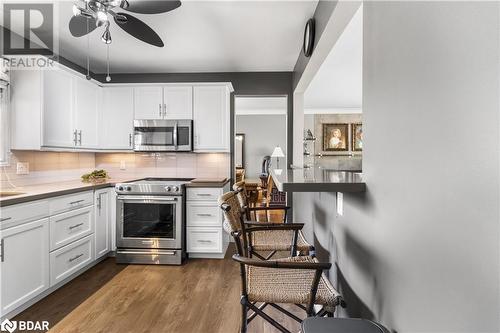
x=335 y=137
x=357 y=137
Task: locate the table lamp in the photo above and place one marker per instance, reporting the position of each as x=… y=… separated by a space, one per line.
x=278 y=152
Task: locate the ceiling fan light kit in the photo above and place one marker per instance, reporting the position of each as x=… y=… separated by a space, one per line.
x=97 y=13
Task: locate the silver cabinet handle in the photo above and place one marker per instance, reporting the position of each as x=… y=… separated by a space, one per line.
x=164 y=110
x=80 y=137
x=75 y=226
x=76 y=257
x=99 y=203
x=5 y=219
x=76 y=202
x=204 y=215
x=147 y=242
x=2 y=254
x=74 y=137
x=130 y=139
x=159 y=107
x=203 y=241
x=203 y=194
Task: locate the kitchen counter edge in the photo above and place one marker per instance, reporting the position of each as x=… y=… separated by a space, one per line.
x=14 y=200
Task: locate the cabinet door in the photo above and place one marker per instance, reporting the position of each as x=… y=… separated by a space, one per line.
x=211 y=118
x=24 y=266
x=117 y=122
x=102 y=222
x=178 y=102
x=87 y=97
x=148 y=103
x=58 y=122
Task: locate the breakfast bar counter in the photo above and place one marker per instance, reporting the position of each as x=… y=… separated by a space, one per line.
x=318 y=180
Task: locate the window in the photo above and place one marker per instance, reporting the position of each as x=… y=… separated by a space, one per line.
x=4 y=115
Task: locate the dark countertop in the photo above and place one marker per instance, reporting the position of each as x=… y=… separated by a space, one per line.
x=45 y=191
x=318 y=180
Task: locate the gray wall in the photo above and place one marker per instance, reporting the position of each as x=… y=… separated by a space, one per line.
x=262 y=134
x=322 y=14
x=419 y=251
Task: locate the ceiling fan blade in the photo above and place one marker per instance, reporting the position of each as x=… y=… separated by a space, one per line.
x=138 y=29
x=78 y=25
x=150 y=6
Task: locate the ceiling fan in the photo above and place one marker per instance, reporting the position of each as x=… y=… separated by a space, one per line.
x=91 y=14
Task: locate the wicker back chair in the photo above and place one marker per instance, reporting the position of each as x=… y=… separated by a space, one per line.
x=272 y=241
x=296 y=280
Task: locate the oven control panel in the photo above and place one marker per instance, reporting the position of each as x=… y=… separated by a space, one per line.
x=146 y=187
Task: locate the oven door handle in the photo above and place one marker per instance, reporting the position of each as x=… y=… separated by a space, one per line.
x=148 y=199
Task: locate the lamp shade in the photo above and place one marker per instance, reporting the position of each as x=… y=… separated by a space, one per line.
x=278 y=152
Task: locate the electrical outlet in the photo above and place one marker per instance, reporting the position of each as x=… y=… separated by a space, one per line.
x=340 y=203
x=123 y=165
x=23 y=168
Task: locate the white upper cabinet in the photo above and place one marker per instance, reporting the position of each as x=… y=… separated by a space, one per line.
x=211 y=118
x=148 y=102
x=178 y=102
x=58 y=121
x=87 y=101
x=163 y=102
x=117 y=118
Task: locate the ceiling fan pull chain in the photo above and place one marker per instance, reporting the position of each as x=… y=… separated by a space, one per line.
x=108 y=78
x=88 y=52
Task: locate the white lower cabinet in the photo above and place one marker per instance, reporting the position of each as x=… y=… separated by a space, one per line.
x=102 y=220
x=205 y=236
x=24 y=265
x=204 y=240
x=68 y=227
x=71 y=258
x=45 y=242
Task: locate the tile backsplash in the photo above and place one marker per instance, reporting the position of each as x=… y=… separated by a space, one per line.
x=165 y=165
x=47 y=167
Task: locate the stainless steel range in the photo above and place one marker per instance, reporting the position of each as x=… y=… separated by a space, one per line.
x=150 y=222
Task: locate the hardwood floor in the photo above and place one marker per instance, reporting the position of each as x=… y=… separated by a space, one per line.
x=200 y=296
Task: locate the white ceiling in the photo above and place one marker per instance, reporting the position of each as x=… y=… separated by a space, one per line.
x=200 y=36
x=337 y=87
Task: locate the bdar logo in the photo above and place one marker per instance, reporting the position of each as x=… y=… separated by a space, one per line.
x=8 y=325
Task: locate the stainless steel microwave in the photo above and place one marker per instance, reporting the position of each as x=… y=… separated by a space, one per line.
x=163 y=135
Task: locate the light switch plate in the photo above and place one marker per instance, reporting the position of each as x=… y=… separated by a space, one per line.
x=23 y=168
x=123 y=165
x=340 y=203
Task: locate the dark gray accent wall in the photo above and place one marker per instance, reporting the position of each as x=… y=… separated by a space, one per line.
x=244 y=83
x=321 y=17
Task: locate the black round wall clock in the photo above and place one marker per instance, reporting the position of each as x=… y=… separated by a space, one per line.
x=308 y=38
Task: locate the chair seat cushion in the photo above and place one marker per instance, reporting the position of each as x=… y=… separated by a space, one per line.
x=280 y=285
x=279 y=240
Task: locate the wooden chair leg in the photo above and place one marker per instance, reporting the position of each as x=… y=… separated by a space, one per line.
x=244 y=314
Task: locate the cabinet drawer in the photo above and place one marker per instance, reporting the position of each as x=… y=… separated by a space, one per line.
x=204 y=194
x=69 y=259
x=203 y=214
x=204 y=240
x=68 y=227
x=70 y=202
x=18 y=214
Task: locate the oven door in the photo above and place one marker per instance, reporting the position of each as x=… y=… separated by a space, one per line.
x=149 y=222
